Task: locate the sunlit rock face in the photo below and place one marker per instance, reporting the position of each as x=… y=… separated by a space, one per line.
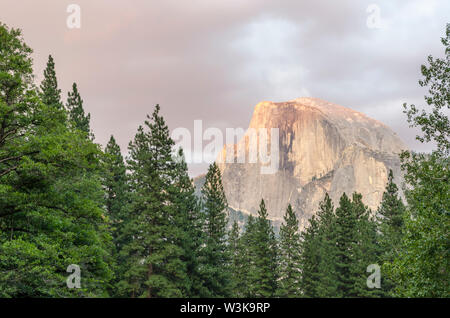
x=323 y=147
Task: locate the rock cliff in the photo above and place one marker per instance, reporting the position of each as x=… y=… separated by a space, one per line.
x=323 y=147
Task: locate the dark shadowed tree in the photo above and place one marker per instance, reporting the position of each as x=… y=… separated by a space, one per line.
x=155 y=265
x=289 y=283
x=215 y=257
x=78 y=118
x=263 y=278
x=391 y=213
x=50 y=93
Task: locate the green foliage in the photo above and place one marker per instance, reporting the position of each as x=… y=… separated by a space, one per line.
x=346 y=242
x=263 y=250
x=310 y=258
x=77 y=116
x=236 y=265
x=137 y=229
x=366 y=250
x=214 y=255
x=50 y=93
x=319 y=253
x=289 y=258
x=391 y=229
x=327 y=277
x=154 y=267
x=336 y=249
x=190 y=221
x=245 y=260
x=435 y=124
x=422 y=267
x=50 y=191
x=117 y=199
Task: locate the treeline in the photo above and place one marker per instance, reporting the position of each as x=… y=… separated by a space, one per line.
x=135 y=227
x=328 y=259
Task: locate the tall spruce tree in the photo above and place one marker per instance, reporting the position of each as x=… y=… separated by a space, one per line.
x=155 y=267
x=327 y=279
x=246 y=260
x=116 y=184
x=78 y=118
x=289 y=284
x=366 y=249
x=215 y=257
x=189 y=221
x=117 y=192
x=235 y=258
x=310 y=258
x=356 y=247
x=263 y=278
x=346 y=241
x=390 y=217
x=50 y=93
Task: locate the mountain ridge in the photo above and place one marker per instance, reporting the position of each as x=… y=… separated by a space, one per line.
x=323 y=147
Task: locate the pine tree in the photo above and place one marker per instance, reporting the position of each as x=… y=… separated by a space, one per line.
x=215 y=258
x=310 y=258
x=356 y=247
x=264 y=277
x=117 y=199
x=327 y=280
x=390 y=225
x=246 y=260
x=366 y=250
x=235 y=258
x=50 y=93
x=155 y=267
x=189 y=221
x=346 y=240
x=77 y=116
x=289 y=259
x=115 y=183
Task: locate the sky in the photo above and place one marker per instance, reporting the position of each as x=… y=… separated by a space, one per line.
x=214 y=60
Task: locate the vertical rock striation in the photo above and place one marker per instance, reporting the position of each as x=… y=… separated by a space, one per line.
x=323 y=147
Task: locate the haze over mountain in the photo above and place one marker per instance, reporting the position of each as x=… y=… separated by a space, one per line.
x=323 y=147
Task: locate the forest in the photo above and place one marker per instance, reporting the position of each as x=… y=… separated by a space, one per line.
x=135 y=227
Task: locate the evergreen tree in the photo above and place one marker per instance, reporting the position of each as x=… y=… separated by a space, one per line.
x=50 y=93
x=289 y=259
x=190 y=221
x=346 y=241
x=155 y=267
x=115 y=183
x=337 y=248
x=366 y=250
x=235 y=258
x=117 y=199
x=327 y=278
x=263 y=278
x=215 y=258
x=356 y=247
x=310 y=258
x=246 y=260
x=390 y=225
x=51 y=198
x=77 y=116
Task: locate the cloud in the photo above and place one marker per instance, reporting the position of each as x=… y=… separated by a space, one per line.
x=214 y=60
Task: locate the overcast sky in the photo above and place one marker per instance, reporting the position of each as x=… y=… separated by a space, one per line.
x=214 y=60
